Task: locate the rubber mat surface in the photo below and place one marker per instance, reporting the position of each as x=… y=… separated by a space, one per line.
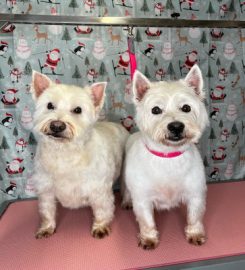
x=73 y=248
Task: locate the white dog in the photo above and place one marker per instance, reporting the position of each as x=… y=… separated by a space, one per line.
x=77 y=158
x=163 y=167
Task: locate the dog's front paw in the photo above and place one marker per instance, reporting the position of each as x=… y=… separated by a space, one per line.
x=148 y=243
x=196 y=239
x=45 y=232
x=101 y=232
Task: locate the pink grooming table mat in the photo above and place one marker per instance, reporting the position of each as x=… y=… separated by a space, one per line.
x=72 y=247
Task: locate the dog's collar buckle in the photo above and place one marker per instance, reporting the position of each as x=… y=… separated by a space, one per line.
x=164 y=155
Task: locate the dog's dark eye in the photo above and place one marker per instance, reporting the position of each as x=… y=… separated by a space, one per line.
x=77 y=110
x=156 y=110
x=50 y=106
x=186 y=108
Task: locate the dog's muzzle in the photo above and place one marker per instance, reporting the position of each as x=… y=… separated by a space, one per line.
x=56 y=129
x=176 y=130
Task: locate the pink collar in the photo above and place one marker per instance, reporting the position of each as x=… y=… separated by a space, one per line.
x=164 y=155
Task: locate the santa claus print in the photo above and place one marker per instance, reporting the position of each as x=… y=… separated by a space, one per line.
x=9 y=97
x=217 y=94
x=219 y=154
x=3 y=48
x=123 y=63
x=190 y=61
x=216 y=34
x=7 y=121
x=153 y=32
x=83 y=29
x=128 y=122
x=53 y=58
x=8 y=28
x=20 y=145
x=14 y=167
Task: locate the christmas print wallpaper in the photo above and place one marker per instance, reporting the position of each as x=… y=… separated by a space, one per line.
x=82 y=55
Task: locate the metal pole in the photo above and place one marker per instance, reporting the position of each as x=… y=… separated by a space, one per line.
x=116 y=21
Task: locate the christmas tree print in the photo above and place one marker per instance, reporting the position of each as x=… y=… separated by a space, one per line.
x=170 y=70
x=145 y=7
x=169 y=5
x=4 y=145
x=73 y=4
x=218 y=63
x=66 y=35
x=10 y=61
x=32 y=140
x=1 y=74
x=232 y=6
x=203 y=39
x=155 y=62
x=221 y=124
x=210 y=9
x=212 y=135
x=146 y=72
x=102 y=70
x=209 y=74
x=28 y=69
x=138 y=36
x=233 y=69
x=76 y=75
x=234 y=130
x=15 y=132
x=205 y=162
x=86 y=62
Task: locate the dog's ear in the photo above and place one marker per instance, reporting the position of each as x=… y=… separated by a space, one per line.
x=140 y=86
x=98 y=93
x=40 y=83
x=194 y=79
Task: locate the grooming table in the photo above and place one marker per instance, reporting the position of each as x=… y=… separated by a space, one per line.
x=73 y=248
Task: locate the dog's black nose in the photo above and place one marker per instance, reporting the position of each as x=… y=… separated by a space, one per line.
x=176 y=127
x=57 y=126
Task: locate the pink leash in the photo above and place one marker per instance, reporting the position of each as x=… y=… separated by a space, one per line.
x=132 y=57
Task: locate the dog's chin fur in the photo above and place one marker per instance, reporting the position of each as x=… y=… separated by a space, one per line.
x=164 y=182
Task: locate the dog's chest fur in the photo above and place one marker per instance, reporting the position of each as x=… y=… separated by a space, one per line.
x=76 y=175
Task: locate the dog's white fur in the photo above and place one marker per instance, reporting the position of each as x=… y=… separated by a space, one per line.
x=154 y=182
x=79 y=167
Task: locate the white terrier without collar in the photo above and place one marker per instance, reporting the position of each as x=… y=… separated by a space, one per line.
x=77 y=158
x=163 y=167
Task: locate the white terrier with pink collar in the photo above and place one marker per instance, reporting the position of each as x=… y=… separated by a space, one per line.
x=163 y=167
